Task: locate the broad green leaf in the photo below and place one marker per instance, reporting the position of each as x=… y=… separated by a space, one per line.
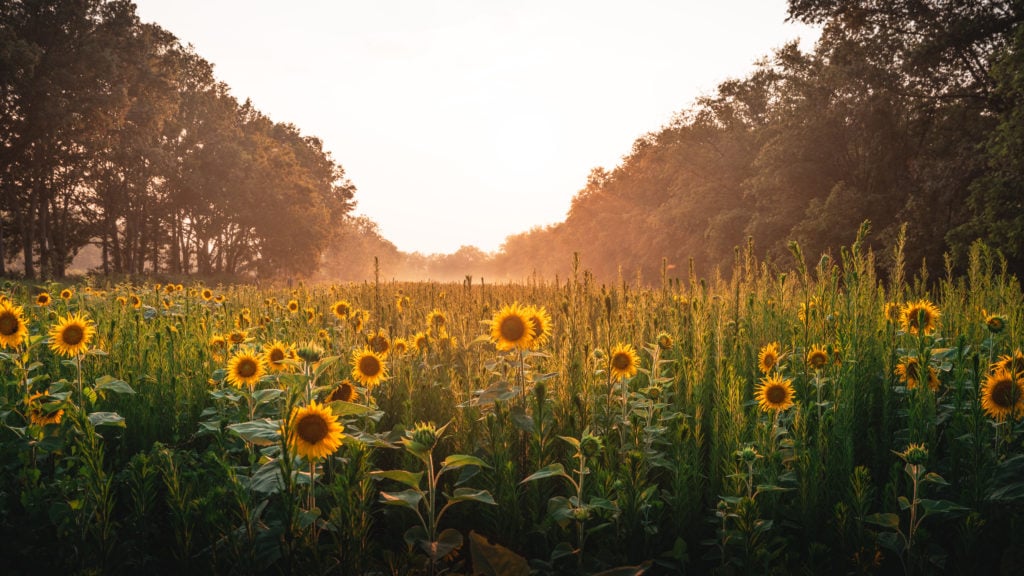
x=410 y=479
x=112 y=384
x=263 y=432
x=459 y=460
x=447 y=542
x=265 y=395
x=497 y=391
x=886 y=520
x=934 y=478
x=941 y=506
x=107 y=419
x=494 y=559
x=339 y=408
x=470 y=495
x=406 y=498
x=267 y=478
x=548 y=471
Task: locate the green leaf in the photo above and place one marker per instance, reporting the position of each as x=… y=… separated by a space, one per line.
x=265 y=395
x=572 y=441
x=410 y=479
x=885 y=520
x=267 y=478
x=934 y=478
x=112 y=384
x=263 y=432
x=941 y=506
x=459 y=460
x=406 y=499
x=494 y=559
x=548 y=471
x=447 y=542
x=339 y=408
x=497 y=391
x=470 y=495
x=107 y=419
x=904 y=502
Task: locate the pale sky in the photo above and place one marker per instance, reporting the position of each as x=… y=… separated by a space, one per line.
x=463 y=122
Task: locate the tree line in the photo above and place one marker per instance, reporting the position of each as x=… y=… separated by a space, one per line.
x=113 y=134
x=905 y=112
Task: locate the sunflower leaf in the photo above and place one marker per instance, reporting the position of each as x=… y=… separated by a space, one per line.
x=471 y=495
x=112 y=384
x=459 y=460
x=107 y=419
x=340 y=408
x=263 y=432
x=548 y=471
x=406 y=498
x=410 y=479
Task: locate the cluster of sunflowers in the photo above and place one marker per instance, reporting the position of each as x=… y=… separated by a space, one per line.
x=70 y=338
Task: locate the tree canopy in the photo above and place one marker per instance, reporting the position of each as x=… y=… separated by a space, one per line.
x=114 y=134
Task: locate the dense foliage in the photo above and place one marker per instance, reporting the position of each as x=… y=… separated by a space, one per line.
x=114 y=134
x=820 y=421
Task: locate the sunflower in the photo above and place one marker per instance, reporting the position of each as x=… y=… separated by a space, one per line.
x=400 y=347
x=237 y=336
x=623 y=361
x=12 y=325
x=293 y=306
x=995 y=323
x=436 y=319
x=420 y=341
x=540 y=323
x=220 y=299
x=368 y=367
x=206 y=294
x=71 y=336
x=314 y=431
x=511 y=328
x=817 y=357
x=135 y=301
x=277 y=355
x=345 y=392
x=1002 y=395
x=921 y=316
x=341 y=309
x=323 y=335
x=39 y=415
x=121 y=301
x=66 y=294
x=909 y=372
x=769 y=357
x=245 y=368
x=1012 y=363
x=774 y=393
x=43 y=299
x=664 y=341
x=378 y=342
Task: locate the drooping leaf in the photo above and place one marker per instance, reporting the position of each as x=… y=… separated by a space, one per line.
x=107 y=419
x=495 y=559
x=548 y=471
x=410 y=479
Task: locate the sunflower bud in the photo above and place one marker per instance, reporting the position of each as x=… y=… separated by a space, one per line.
x=422 y=437
x=590 y=446
x=310 y=352
x=915 y=454
x=748 y=454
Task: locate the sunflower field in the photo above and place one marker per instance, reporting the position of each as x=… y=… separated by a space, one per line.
x=828 y=419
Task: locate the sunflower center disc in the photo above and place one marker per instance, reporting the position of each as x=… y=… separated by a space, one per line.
x=775 y=394
x=369 y=366
x=246 y=368
x=513 y=329
x=8 y=324
x=72 y=335
x=1002 y=393
x=312 y=429
x=276 y=355
x=621 y=361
